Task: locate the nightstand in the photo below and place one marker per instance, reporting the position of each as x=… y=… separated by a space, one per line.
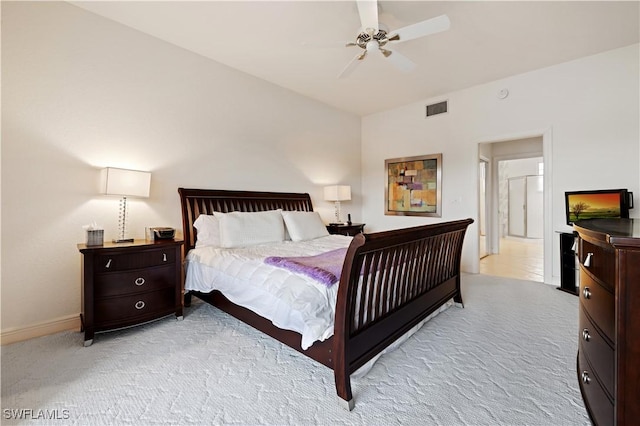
x=126 y=284
x=351 y=230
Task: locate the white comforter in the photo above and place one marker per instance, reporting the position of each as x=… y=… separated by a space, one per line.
x=290 y=300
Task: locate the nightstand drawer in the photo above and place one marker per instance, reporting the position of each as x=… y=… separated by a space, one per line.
x=134 y=281
x=599 y=304
x=597 y=351
x=601 y=262
x=135 y=260
x=120 y=309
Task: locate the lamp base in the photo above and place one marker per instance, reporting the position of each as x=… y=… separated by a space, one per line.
x=126 y=240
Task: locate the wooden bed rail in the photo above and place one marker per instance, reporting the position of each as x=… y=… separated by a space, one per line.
x=390 y=282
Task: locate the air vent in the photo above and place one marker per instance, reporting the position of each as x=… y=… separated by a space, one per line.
x=439 y=108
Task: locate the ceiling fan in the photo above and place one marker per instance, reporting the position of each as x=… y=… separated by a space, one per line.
x=374 y=38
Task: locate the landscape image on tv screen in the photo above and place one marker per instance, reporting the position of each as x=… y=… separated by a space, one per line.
x=593 y=205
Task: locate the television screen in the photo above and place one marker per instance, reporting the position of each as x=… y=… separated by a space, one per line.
x=608 y=203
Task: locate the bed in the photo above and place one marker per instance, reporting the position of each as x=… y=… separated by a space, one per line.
x=389 y=282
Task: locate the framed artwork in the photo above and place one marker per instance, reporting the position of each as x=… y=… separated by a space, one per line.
x=414 y=186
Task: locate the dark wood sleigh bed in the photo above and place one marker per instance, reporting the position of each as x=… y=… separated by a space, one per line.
x=390 y=281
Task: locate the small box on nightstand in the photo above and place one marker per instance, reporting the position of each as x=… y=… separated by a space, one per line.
x=95 y=237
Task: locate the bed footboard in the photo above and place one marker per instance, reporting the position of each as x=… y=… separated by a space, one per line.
x=390 y=282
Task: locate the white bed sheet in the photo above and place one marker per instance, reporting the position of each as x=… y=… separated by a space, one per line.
x=290 y=300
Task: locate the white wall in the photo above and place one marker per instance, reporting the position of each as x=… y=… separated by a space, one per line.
x=587 y=108
x=81 y=93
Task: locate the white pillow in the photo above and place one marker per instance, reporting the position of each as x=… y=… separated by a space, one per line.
x=303 y=226
x=240 y=229
x=208 y=228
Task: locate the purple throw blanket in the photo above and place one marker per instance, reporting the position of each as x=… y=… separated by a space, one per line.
x=325 y=267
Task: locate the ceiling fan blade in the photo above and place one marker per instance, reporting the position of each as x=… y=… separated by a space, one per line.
x=399 y=60
x=421 y=29
x=327 y=44
x=385 y=52
x=368 y=10
x=352 y=64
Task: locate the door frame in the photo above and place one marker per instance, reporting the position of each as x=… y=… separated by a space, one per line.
x=492 y=197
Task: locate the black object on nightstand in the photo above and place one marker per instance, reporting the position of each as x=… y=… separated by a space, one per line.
x=342 y=229
x=126 y=284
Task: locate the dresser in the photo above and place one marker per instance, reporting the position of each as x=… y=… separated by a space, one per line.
x=126 y=284
x=608 y=364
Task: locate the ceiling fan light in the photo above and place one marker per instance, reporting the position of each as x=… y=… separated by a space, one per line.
x=372 y=46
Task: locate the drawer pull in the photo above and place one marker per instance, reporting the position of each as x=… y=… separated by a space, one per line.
x=585 y=335
x=139 y=304
x=139 y=281
x=164 y=257
x=585 y=378
x=108 y=265
x=586 y=293
x=587 y=261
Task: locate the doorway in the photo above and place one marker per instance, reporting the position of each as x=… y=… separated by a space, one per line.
x=511 y=208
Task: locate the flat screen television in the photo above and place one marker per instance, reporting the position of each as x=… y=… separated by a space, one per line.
x=605 y=203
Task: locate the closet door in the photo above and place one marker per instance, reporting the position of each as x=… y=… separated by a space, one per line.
x=517 y=207
x=534 y=207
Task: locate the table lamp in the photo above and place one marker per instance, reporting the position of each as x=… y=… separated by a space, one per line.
x=126 y=183
x=337 y=193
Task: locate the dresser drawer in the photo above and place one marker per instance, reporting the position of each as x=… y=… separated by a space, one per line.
x=119 y=310
x=598 y=404
x=135 y=260
x=134 y=281
x=601 y=263
x=598 y=303
x=597 y=351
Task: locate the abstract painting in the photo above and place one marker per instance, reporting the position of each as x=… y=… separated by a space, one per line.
x=414 y=186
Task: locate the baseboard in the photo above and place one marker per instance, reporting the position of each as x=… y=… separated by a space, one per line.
x=18 y=334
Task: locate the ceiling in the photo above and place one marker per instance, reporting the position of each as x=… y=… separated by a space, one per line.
x=299 y=45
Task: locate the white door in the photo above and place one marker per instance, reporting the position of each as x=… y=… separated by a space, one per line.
x=534 y=207
x=517 y=207
x=482 y=207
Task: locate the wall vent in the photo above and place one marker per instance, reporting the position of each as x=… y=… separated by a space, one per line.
x=439 y=108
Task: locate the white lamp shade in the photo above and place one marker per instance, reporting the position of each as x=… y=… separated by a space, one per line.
x=133 y=183
x=337 y=193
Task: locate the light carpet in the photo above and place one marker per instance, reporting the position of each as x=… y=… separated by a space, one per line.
x=507 y=358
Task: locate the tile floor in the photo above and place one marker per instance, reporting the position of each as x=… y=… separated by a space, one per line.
x=520 y=258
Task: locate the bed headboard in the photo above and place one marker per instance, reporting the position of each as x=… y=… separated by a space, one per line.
x=195 y=202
